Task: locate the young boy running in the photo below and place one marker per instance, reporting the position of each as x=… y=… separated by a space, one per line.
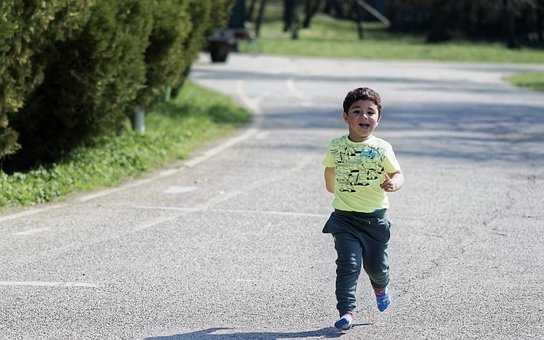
x=359 y=169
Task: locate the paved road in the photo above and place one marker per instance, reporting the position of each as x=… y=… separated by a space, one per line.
x=229 y=244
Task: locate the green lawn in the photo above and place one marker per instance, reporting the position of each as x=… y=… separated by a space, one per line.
x=333 y=38
x=534 y=81
x=173 y=129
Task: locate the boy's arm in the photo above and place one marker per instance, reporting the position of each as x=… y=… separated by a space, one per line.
x=329 y=179
x=393 y=181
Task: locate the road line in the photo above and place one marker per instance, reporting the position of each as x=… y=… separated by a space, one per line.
x=156 y=222
x=30 y=212
x=47 y=284
x=254 y=104
x=87 y=198
x=298 y=94
x=214 y=151
x=32 y=231
x=262 y=135
x=175 y=190
x=150 y=207
x=270 y=212
x=294 y=90
x=234 y=211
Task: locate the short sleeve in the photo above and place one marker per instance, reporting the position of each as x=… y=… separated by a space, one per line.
x=391 y=164
x=328 y=161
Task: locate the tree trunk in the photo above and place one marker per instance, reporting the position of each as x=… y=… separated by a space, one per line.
x=311 y=7
x=509 y=24
x=260 y=17
x=334 y=8
x=288 y=14
x=295 y=22
x=251 y=10
x=540 y=20
x=359 y=18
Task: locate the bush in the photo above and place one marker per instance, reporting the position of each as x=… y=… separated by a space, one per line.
x=165 y=55
x=73 y=69
x=27 y=30
x=89 y=80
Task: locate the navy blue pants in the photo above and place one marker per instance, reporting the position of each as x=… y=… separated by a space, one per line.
x=361 y=241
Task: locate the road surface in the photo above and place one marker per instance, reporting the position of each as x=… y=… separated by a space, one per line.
x=228 y=244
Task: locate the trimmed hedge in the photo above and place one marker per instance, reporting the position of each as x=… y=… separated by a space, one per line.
x=27 y=29
x=73 y=70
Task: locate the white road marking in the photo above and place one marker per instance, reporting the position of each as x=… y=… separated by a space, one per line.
x=233 y=211
x=150 y=207
x=174 y=190
x=214 y=151
x=298 y=94
x=294 y=90
x=89 y=197
x=168 y=172
x=30 y=212
x=47 y=284
x=133 y=184
x=254 y=104
x=32 y=231
x=262 y=135
x=270 y=212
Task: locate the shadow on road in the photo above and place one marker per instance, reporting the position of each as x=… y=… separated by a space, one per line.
x=475 y=132
x=429 y=84
x=210 y=334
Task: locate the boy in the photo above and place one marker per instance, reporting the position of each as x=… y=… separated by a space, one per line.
x=359 y=169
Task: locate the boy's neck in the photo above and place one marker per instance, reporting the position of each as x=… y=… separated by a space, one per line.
x=359 y=140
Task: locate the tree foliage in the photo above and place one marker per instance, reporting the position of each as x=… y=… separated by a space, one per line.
x=515 y=21
x=73 y=69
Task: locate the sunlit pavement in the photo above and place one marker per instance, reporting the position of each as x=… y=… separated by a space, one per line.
x=229 y=244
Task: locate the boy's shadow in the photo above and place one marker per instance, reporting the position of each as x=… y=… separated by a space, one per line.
x=208 y=334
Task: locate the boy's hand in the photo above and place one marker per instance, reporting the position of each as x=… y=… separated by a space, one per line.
x=390 y=184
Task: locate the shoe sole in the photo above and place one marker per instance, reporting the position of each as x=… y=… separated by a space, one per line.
x=342 y=328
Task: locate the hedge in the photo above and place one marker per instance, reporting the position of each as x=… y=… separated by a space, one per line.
x=72 y=70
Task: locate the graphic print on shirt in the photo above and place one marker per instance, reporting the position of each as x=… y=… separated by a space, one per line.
x=357 y=166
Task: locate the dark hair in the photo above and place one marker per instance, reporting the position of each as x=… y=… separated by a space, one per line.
x=362 y=93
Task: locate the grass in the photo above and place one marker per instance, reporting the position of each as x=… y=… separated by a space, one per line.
x=328 y=37
x=173 y=130
x=532 y=80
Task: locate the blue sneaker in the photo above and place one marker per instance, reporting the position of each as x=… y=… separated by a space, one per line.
x=382 y=299
x=344 y=323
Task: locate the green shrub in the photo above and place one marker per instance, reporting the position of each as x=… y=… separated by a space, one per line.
x=89 y=80
x=27 y=30
x=205 y=16
x=73 y=69
x=165 y=54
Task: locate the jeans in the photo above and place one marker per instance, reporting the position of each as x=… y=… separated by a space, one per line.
x=360 y=241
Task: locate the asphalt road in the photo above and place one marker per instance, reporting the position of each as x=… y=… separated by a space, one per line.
x=229 y=246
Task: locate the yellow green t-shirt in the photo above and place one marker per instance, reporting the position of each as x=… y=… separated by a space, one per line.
x=360 y=169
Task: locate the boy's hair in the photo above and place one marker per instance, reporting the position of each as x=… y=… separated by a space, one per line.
x=362 y=93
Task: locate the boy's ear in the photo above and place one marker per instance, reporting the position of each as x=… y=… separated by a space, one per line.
x=345 y=116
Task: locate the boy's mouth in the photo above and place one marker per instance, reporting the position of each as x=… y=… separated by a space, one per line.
x=364 y=126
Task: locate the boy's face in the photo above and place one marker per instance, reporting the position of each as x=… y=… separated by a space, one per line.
x=362 y=119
